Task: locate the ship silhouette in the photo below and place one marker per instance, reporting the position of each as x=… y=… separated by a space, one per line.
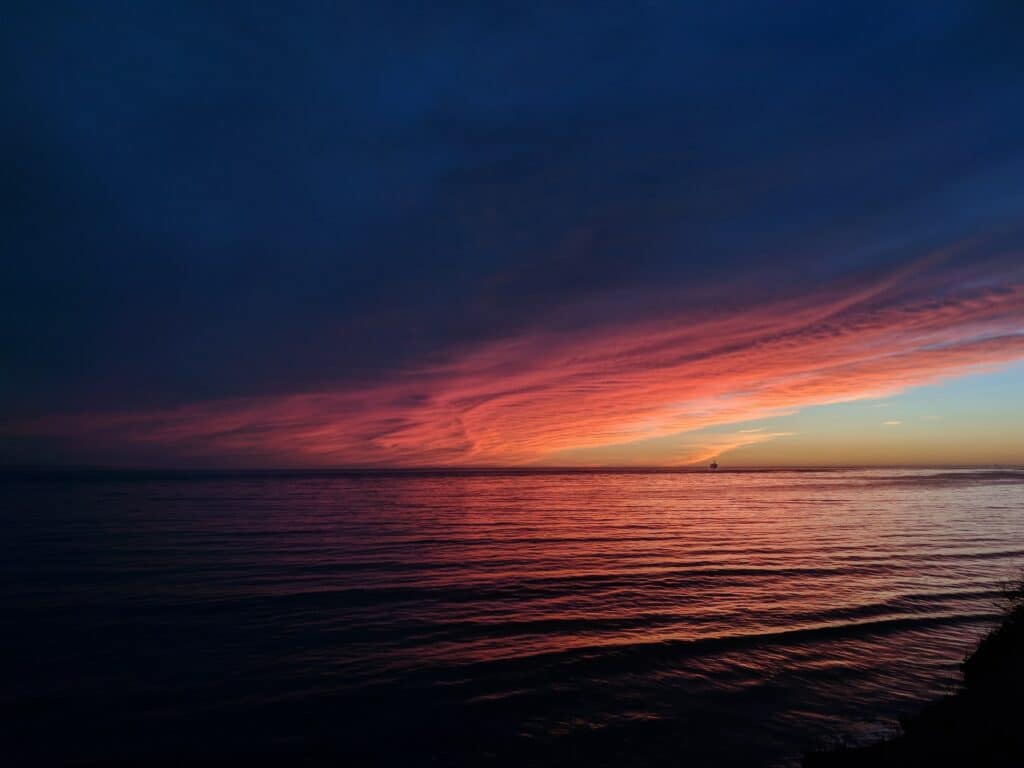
x=713 y=465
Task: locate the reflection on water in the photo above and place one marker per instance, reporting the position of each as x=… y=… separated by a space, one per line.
x=539 y=617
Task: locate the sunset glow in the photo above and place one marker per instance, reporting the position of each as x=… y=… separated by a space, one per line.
x=547 y=385
x=613 y=394
x=462 y=242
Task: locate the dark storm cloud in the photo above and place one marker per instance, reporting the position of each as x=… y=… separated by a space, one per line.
x=221 y=200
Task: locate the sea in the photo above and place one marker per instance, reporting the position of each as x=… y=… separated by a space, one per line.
x=489 y=617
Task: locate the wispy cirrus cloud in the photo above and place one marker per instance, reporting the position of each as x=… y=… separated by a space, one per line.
x=605 y=394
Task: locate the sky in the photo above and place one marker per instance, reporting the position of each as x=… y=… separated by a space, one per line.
x=488 y=234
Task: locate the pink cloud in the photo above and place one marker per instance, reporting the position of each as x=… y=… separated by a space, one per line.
x=535 y=397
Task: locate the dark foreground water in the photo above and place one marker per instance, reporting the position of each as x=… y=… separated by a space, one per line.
x=489 y=618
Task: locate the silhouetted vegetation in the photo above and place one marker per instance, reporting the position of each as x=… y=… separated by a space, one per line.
x=978 y=726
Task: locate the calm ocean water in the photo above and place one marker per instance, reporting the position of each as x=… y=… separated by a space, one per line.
x=606 y=618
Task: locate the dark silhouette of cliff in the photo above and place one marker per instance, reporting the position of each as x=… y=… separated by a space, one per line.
x=981 y=725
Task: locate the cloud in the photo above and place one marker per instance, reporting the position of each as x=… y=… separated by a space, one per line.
x=892 y=423
x=682 y=449
x=546 y=396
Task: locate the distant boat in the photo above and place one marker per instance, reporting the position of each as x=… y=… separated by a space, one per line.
x=714 y=465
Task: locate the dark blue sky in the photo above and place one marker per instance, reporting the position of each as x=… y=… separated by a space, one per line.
x=220 y=200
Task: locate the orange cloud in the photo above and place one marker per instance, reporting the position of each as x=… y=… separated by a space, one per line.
x=545 y=396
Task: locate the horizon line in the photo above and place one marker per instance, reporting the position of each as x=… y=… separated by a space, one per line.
x=690 y=468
